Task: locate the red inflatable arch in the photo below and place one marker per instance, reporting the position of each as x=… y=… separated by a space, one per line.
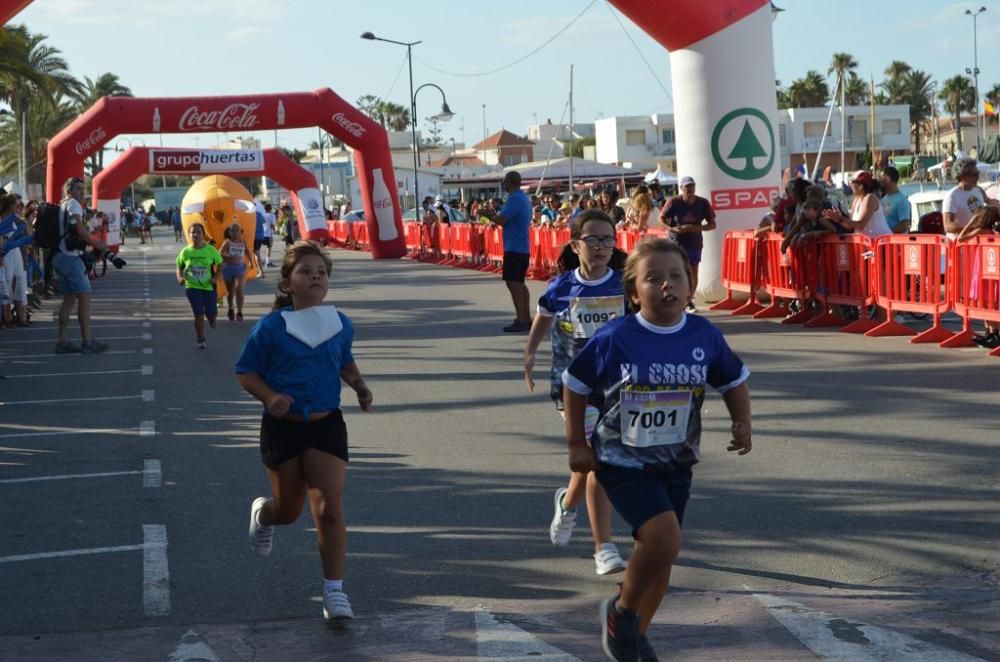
x=112 y=116
x=110 y=182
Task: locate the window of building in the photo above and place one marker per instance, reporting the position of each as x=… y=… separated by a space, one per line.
x=814 y=129
x=667 y=137
x=892 y=127
x=857 y=129
x=635 y=137
x=783 y=134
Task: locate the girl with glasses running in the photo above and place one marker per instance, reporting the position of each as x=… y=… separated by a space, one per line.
x=586 y=295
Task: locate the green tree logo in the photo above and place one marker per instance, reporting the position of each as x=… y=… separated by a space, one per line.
x=747 y=147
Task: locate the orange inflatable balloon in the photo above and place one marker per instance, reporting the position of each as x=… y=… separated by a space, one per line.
x=217 y=202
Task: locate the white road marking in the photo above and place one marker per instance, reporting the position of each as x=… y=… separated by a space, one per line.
x=59 y=432
x=496 y=640
x=155 y=571
x=146 y=370
x=148 y=395
x=36 y=479
x=147 y=350
x=60 y=357
x=193 y=648
x=49 y=340
x=9 y=403
x=145 y=325
x=152 y=473
x=834 y=638
x=147 y=336
x=70 y=552
x=147 y=428
x=74 y=374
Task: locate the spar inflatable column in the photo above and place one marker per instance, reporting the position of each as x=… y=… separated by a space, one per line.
x=725 y=110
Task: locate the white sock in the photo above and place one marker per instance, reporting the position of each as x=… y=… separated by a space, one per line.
x=333 y=585
x=609 y=546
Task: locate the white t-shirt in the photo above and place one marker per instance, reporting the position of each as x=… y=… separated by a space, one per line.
x=70 y=208
x=963 y=204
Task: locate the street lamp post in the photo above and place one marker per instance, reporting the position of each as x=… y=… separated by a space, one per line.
x=131 y=142
x=443 y=116
x=975 y=69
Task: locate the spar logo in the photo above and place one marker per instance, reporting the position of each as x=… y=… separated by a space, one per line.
x=95 y=138
x=736 y=144
x=352 y=128
x=991 y=262
x=744 y=198
x=913 y=262
x=233 y=116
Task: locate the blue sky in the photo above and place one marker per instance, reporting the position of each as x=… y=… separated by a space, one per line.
x=201 y=47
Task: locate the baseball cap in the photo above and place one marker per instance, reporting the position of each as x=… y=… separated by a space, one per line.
x=686 y=181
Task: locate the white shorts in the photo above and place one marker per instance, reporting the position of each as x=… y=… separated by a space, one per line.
x=14 y=277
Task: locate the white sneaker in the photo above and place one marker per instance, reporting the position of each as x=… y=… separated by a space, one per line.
x=336 y=606
x=608 y=560
x=899 y=319
x=563 y=521
x=260 y=535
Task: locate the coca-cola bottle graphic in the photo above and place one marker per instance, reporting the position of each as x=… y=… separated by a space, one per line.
x=156 y=119
x=281 y=113
x=382 y=200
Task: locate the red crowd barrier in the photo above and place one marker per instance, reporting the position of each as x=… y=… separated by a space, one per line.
x=974 y=284
x=908 y=276
x=843 y=270
x=787 y=275
x=739 y=272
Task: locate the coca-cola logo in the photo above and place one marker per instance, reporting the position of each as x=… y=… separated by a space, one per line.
x=352 y=128
x=95 y=139
x=384 y=203
x=233 y=116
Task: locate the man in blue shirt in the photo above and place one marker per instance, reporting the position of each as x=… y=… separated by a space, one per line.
x=895 y=206
x=515 y=219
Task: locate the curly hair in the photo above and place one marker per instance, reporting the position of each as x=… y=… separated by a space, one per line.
x=961 y=164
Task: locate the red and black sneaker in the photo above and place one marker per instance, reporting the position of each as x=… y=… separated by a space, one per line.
x=619 y=632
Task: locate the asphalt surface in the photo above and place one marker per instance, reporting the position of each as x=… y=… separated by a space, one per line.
x=870 y=499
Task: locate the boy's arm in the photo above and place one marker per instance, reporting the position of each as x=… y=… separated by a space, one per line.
x=540 y=327
x=352 y=377
x=738 y=403
x=581 y=457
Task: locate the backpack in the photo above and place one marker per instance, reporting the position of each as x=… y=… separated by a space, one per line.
x=47 y=233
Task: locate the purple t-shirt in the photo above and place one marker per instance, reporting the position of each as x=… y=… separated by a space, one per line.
x=677 y=212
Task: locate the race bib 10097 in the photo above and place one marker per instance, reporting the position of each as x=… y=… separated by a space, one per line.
x=589 y=314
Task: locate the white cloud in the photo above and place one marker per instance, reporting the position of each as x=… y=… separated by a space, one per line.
x=243 y=34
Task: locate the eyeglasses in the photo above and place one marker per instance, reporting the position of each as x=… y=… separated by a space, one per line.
x=593 y=241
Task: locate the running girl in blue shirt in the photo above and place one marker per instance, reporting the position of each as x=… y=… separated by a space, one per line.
x=293 y=361
x=586 y=295
x=652 y=369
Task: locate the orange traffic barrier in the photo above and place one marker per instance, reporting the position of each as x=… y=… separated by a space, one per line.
x=974 y=286
x=843 y=279
x=908 y=277
x=739 y=272
x=539 y=260
x=785 y=276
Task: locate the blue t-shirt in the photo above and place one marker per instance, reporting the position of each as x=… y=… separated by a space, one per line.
x=896 y=209
x=579 y=307
x=653 y=380
x=288 y=365
x=259 y=230
x=517 y=211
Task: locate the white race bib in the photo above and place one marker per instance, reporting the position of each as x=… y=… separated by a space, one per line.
x=236 y=250
x=654 y=418
x=589 y=314
x=198 y=273
x=314 y=325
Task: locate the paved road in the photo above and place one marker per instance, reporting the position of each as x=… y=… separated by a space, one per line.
x=863 y=525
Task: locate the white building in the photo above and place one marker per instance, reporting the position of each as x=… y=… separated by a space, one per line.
x=550 y=139
x=637 y=141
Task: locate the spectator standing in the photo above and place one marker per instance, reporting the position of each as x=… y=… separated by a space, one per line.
x=895 y=206
x=688 y=216
x=515 y=219
x=68 y=266
x=964 y=199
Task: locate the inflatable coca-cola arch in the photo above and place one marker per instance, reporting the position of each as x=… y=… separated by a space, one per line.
x=140 y=160
x=112 y=116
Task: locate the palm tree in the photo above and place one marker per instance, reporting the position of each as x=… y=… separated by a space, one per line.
x=783 y=99
x=894 y=84
x=918 y=92
x=993 y=96
x=856 y=90
x=808 y=91
x=840 y=65
x=394 y=117
x=106 y=85
x=50 y=80
x=368 y=104
x=43 y=121
x=958 y=96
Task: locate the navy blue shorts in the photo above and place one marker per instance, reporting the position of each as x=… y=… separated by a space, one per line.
x=515 y=267
x=639 y=495
x=694 y=256
x=203 y=302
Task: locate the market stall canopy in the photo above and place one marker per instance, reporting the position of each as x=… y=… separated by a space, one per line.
x=659 y=175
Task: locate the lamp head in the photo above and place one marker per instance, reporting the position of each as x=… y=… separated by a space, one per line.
x=445 y=113
x=369 y=36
